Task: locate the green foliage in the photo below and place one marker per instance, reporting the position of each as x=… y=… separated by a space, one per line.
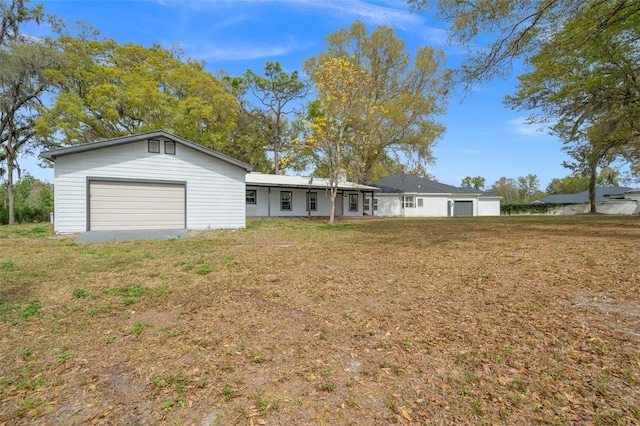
x=24 y=81
x=33 y=201
x=252 y=132
x=30 y=310
x=107 y=90
x=80 y=293
x=65 y=357
x=528 y=188
x=586 y=88
x=509 y=209
x=275 y=91
x=517 y=29
x=581 y=77
x=15 y=13
x=575 y=183
x=522 y=190
x=139 y=328
x=476 y=182
x=129 y=294
x=572 y=184
x=398 y=98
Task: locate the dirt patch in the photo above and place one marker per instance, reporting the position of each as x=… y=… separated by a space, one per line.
x=622 y=316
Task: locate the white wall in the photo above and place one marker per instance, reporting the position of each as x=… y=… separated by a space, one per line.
x=388 y=205
x=215 y=189
x=621 y=207
x=432 y=206
x=488 y=207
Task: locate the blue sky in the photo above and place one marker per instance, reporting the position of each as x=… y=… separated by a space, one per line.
x=483 y=137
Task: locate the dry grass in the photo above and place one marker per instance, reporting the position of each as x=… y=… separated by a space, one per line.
x=506 y=320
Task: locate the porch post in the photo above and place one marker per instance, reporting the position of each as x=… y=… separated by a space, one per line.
x=269 y=201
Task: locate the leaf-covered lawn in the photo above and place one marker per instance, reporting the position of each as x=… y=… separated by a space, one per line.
x=505 y=320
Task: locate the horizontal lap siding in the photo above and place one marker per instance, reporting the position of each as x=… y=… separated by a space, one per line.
x=215 y=189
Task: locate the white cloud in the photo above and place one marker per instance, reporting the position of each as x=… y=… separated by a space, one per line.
x=521 y=126
x=379 y=15
x=346 y=9
x=245 y=51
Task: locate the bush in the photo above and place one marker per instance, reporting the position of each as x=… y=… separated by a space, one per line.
x=33 y=200
x=508 y=209
x=24 y=214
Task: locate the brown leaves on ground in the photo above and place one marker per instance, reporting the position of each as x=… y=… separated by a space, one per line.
x=433 y=321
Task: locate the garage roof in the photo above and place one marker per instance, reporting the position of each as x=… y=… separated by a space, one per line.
x=59 y=152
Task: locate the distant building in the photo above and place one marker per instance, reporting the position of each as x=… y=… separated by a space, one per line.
x=413 y=196
x=609 y=200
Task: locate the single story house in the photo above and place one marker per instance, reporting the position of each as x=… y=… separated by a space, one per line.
x=609 y=200
x=269 y=195
x=153 y=180
x=413 y=196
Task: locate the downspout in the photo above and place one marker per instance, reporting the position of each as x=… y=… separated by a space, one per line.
x=269 y=201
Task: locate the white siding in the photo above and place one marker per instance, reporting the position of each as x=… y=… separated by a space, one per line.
x=488 y=207
x=388 y=205
x=215 y=189
x=432 y=205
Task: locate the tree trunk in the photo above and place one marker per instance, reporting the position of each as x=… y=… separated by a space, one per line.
x=593 y=175
x=10 y=191
x=332 y=214
x=276 y=142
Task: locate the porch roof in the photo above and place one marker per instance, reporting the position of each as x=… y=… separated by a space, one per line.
x=306 y=182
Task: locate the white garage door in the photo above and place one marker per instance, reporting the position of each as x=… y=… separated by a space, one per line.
x=136 y=205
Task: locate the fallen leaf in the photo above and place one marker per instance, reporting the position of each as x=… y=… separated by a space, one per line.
x=406 y=413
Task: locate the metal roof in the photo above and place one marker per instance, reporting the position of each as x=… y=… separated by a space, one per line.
x=307 y=182
x=602 y=194
x=69 y=150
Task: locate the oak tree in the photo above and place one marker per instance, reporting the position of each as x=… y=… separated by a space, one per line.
x=24 y=65
x=516 y=29
x=587 y=92
x=107 y=90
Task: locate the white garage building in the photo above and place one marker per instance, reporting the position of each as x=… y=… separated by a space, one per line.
x=148 y=181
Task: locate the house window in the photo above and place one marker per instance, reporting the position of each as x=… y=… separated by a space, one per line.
x=312 y=201
x=375 y=204
x=251 y=196
x=154 y=146
x=170 y=147
x=285 y=200
x=367 y=204
x=407 y=202
x=353 y=202
x=420 y=202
